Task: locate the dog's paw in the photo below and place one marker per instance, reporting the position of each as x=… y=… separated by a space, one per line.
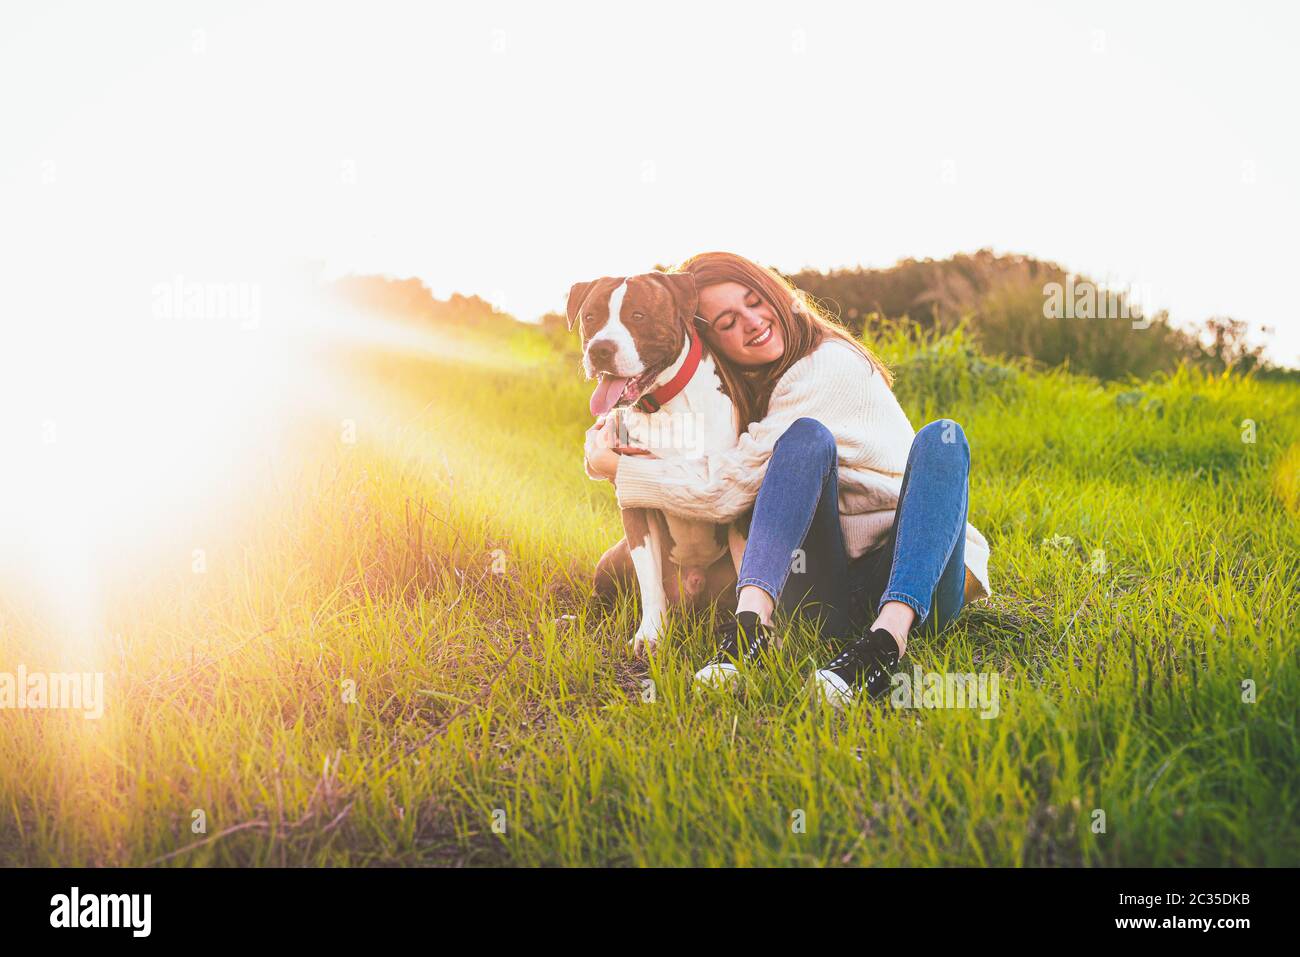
x=646 y=639
x=643 y=647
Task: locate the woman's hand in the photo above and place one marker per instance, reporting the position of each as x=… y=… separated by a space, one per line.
x=600 y=457
x=601 y=449
x=598 y=449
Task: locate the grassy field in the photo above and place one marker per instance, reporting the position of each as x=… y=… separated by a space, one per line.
x=391 y=656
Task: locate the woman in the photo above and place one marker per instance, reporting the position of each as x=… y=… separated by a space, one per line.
x=847 y=501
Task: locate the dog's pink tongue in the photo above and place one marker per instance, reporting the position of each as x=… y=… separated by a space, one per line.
x=607 y=393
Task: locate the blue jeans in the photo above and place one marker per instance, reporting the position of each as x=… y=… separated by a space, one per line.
x=796 y=548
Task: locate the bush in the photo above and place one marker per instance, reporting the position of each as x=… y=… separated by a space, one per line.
x=942 y=371
x=1003 y=299
x=1011 y=322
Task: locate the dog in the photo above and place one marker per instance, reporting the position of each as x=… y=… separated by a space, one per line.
x=657 y=377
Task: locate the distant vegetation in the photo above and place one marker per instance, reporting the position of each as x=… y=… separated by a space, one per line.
x=412 y=299
x=1003 y=304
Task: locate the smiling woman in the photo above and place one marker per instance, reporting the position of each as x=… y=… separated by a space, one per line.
x=761 y=325
x=743 y=327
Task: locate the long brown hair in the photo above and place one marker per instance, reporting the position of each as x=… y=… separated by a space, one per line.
x=804 y=321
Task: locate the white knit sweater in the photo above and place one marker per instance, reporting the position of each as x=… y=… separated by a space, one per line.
x=837 y=386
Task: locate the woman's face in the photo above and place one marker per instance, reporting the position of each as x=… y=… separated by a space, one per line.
x=742 y=327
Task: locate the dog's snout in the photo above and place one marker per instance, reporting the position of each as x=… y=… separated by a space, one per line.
x=602 y=352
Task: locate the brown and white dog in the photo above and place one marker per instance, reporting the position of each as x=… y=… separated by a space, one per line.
x=639 y=340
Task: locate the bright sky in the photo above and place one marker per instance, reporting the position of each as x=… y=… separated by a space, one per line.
x=512 y=149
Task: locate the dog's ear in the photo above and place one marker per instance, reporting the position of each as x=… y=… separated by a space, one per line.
x=685 y=296
x=577 y=295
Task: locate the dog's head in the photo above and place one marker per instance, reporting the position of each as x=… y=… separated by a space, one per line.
x=633 y=328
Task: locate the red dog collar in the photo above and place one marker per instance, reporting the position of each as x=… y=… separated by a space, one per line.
x=653 y=401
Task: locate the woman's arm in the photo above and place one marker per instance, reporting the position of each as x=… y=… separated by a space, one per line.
x=829 y=385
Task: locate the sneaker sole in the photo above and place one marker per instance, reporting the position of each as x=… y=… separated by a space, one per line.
x=717 y=677
x=834 y=689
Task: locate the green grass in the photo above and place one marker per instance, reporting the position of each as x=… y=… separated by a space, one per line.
x=1144 y=561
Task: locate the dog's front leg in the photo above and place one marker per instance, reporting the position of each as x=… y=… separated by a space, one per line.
x=645 y=542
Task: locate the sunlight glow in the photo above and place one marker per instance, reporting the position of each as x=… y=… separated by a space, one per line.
x=130 y=431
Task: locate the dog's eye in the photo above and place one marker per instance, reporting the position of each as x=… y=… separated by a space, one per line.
x=637 y=315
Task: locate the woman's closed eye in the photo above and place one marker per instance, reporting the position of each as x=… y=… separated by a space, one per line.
x=727 y=321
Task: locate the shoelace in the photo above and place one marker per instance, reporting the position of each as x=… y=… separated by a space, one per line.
x=869 y=663
x=728 y=650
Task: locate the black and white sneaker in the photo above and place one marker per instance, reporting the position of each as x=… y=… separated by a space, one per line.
x=866 y=665
x=744 y=638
